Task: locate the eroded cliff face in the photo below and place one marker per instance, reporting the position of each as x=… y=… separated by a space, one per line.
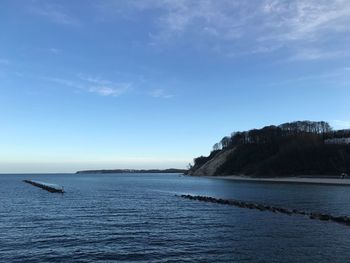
x=210 y=167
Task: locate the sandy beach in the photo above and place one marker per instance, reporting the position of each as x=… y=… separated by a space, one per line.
x=308 y=180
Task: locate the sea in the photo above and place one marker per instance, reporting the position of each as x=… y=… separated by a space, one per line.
x=141 y=218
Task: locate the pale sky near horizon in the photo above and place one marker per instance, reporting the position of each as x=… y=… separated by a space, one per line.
x=153 y=84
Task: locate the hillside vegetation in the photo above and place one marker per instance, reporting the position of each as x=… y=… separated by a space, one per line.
x=296 y=148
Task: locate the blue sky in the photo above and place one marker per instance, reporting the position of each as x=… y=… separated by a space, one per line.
x=152 y=84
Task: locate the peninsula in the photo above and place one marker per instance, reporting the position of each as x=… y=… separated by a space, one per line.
x=296 y=149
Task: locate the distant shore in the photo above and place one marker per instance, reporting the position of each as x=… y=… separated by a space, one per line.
x=142 y=171
x=302 y=179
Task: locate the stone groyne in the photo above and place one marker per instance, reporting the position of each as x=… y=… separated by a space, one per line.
x=48 y=187
x=264 y=207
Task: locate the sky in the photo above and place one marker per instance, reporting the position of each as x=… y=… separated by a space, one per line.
x=152 y=84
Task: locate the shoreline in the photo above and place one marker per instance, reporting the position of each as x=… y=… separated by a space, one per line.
x=300 y=180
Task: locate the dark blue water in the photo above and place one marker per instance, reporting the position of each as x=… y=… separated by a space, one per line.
x=138 y=218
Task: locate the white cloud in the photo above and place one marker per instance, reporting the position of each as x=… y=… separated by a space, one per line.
x=54 y=51
x=110 y=91
x=326 y=76
x=251 y=27
x=64 y=82
x=94 y=79
x=93 y=85
x=317 y=54
x=160 y=93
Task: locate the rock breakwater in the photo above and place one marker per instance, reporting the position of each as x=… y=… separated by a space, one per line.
x=264 y=207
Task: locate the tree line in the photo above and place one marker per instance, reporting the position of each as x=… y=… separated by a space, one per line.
x=272 y=133
x=294 y=147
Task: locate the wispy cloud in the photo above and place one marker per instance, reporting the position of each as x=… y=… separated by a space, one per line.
x=94 y=79
x=64 y=82
x=305 y=29
x=93 y=85
x=110 y=91
x=160 y=93
x=325 y=76
x=317 y=54
x=105 y=87
x=54 y=51
x=54 y=13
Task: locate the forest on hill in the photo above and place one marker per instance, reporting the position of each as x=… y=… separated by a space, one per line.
x=295 y=148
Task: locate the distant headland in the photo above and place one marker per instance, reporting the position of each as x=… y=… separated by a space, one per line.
x=109 y=171
x=300 y=148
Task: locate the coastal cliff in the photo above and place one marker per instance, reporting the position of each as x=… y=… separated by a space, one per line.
x=212 y=165
x=290 y=149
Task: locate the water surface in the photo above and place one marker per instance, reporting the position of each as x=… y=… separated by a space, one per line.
x=138 y=218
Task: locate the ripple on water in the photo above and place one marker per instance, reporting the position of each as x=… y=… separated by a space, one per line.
x=137 y=218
